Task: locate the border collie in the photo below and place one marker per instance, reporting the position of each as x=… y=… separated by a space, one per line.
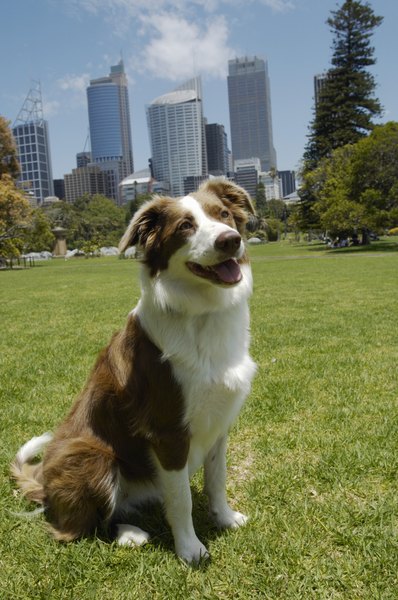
x=163 y=394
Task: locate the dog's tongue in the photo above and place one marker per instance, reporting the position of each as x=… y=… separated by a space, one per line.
x=228 y=271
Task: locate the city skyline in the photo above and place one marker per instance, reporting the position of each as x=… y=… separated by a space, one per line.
x=67 y=43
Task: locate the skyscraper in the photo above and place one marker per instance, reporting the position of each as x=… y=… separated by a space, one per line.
x=177 y=135
x=250 y=111
x=110 y=130
x=217 y=149
x=319 y=82
x=288 y=182
x=30 y=131
x=247 y=174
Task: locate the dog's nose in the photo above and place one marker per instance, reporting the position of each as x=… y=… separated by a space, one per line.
x=228 y=242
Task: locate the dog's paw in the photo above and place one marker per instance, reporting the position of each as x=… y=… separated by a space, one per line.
x=128 y=535
x=192 y=551
x=229 y=519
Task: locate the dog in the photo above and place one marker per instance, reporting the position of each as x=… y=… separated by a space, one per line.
x=163 y=394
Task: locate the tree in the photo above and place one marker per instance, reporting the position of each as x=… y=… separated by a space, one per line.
x=15 y=215
x=15 y=211
x=356 y=188
x=104 y=220
x=347 y=106
x=8 y=151
x=375 y=166
x=275 y=208
x=94 y=219
x=261 y=200
x=38 y=236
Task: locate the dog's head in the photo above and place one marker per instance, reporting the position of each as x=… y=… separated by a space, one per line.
x=199 y=236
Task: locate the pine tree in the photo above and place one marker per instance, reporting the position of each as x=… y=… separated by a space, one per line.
x=346 y=107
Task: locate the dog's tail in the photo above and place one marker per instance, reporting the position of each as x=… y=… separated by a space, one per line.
x=29 y=476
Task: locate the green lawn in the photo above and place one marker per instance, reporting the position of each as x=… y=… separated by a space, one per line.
x=313 y=458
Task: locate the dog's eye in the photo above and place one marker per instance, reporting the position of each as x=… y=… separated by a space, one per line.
x=185 y=225
x=224 y=214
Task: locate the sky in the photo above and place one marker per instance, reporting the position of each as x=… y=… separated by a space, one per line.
x=65 y=43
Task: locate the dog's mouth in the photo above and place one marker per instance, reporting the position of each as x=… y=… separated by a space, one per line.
x=226 y=273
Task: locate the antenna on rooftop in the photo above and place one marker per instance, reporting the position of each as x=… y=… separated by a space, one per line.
x=32 y=108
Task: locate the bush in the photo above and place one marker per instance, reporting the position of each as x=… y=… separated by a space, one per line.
x=274 y=227
x=393 y=231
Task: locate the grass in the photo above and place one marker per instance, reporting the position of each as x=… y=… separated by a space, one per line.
x=313 y=458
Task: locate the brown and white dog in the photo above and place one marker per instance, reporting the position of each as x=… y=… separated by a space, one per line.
x=163 y=394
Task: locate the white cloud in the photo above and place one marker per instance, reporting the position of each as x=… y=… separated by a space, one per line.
x=50 y=108
x=75 y=83
x=178 y=37
x=134 y=8
x=178 y=48
x=278 y=5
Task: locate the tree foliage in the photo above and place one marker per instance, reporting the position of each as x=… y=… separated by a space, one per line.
x=356 y=188
x=15 y=210
x=260 y=200
x=347 y=106
x=8 y=151
x=38 y=236
x=90 y=219
x=15 y=217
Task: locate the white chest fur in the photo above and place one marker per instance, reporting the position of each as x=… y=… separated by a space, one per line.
x=210 y=360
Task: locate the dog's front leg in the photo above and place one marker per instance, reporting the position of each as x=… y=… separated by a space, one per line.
x=215 y=481
x=178 y=506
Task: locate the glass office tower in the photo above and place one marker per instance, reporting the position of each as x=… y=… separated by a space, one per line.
x=217 y=149
x=177 y=136
x=250 y=111
x=110 y=129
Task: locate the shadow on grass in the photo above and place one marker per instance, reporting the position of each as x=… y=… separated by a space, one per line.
x=379 y=246
x=151 y=518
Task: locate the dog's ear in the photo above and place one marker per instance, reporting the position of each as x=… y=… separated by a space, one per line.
x=234 y=197
x=143 y=226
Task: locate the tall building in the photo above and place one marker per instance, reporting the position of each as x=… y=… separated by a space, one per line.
x=85 y=180
x=59 y=188
x=288 y=182
x=247 y=174
x=217 y=149
x=30 y=131
x=272 y=185
x=250 y=111
x=83 y=159
x=110 y=129
x=319 y=82
x=177 y=135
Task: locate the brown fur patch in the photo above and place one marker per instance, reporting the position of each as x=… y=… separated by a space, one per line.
x=79 y=477
x=157 y=228
x=30 y=480
x=215 y=208
x=130 y=407
x=235 y=198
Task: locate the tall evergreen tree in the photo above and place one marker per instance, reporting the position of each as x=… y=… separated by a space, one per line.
x=347 y=106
